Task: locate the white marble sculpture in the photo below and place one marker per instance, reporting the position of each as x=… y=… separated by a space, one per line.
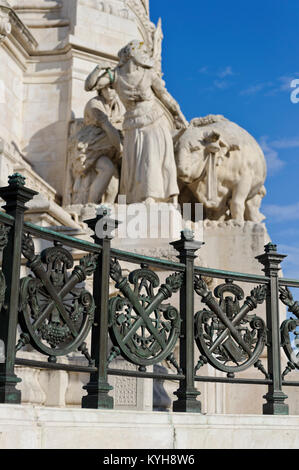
x=148 y=166
x=95 y=148
x=222 y=166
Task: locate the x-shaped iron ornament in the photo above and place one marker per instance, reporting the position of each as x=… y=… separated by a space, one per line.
x=226 y=334
x=142 y=328
x=52 y=309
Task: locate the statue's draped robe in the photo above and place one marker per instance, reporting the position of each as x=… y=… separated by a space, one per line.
x=148 y=164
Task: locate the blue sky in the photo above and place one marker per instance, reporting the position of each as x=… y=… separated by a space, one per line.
x=238 y=59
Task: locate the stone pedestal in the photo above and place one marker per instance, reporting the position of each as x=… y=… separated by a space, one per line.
x=233 y=245
x=34 y=427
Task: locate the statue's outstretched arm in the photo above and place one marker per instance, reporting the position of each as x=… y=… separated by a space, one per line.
x=98 y=77
x=158 y=86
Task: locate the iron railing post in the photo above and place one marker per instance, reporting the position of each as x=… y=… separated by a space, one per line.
x=187 y=392
x=98 y=387
x=16 y=195
x=275 y=397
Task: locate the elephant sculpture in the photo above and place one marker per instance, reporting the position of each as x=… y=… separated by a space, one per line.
x=222 y=166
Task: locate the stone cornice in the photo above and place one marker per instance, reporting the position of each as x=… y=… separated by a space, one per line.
x=10 y=23
x=36 y=5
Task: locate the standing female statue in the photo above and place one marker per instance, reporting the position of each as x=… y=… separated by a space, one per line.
x=148 y=165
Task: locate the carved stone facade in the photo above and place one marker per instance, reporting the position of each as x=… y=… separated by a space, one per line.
x=46 y=58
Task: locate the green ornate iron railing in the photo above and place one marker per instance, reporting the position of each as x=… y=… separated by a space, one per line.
x=55 y=312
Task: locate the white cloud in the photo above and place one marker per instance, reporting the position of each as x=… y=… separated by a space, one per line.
x=282 y=84
x=286 y=143
x=288 y=232
x=270 y=88
x=218 y=79
x=274 y=163
x=253 y=89
x=221 y=84
x=270 y=149
x=285 y=82
x=278 y=213
x=290 y=266
x=226 y=72
x=204 y=70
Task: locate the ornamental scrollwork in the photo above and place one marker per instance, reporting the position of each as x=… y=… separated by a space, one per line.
x=228 y=337
x=3 y=242
x=55 y=313
x=288 y=331
x=4 y=230
x=143 y=329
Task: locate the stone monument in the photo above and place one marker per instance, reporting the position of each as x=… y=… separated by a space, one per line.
x=128 y=145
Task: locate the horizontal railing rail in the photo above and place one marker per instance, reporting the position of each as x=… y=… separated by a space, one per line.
x=52 y=236
x=154 y=262
x=149 y=315
x=288 y=282
x=235 y=276
x=6 y=219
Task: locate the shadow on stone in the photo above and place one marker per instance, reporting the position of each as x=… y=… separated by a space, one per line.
x=161 y=401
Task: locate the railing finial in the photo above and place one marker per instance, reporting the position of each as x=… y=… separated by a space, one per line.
x=270 y=247
x=16 y=180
